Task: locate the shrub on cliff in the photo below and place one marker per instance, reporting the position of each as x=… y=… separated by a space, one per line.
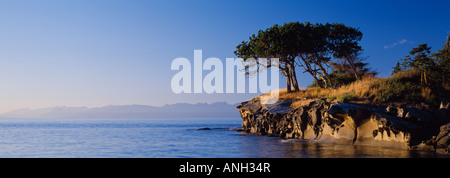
x=403 y=86
x=407 y=87
x=421 y=76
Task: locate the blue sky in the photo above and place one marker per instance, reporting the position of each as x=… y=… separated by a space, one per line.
x=117 y=52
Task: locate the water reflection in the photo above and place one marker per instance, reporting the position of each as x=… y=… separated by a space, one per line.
x=320 y=150
x=274 y=147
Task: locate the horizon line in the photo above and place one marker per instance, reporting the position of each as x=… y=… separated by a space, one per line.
x=94 y=107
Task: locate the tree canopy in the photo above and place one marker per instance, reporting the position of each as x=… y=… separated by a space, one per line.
x=434 y=68
x=428 y=64
x=310 y=46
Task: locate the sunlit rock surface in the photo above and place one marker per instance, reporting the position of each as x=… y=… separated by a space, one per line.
x=344 y=123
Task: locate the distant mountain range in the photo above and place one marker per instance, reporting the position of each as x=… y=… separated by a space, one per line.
x=181 y=110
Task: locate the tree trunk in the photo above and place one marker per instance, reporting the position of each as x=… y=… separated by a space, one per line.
x=315 y=78
x=318 y=83
x=425 y=77
x=308 y=69
x=294 y=78
x=421 y=78
x=288 y=80
x=350 y=62
x=324 y=80
x=326 y=75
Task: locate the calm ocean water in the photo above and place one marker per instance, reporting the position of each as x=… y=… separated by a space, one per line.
x=161 y=138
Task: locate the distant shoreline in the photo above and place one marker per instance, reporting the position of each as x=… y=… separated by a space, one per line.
x=180 y=110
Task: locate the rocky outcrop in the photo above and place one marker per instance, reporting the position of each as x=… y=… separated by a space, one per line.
x=442 y=141
x=345 y=123
x=439 y=143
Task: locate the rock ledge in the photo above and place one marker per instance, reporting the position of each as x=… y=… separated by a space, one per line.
x=345 y=123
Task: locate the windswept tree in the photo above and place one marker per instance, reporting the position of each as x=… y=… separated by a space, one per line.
x=442 y=58
x=322 y=42
x=344 y=42
x=310 y=46
x=434 y=68
x=421 y=60
x=314 y=52
x=274 y=42
x=342 y=74
x=430 y=71
x=396 y=69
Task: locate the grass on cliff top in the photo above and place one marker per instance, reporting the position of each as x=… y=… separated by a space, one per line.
x=403 y=88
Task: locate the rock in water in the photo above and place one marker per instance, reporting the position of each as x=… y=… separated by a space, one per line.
x=205 y=128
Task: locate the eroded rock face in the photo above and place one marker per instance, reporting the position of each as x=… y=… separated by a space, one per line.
x=345 y=123
x=442 y=140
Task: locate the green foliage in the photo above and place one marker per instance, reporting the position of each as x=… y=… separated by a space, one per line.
x=256 y=99
x=419 y=58
x=433 y=67
x=346 y=97
x=399 y=89
x=405 y=87
x=331 y=98
x=311 y=46
x=430 y=82
x=275 y=42
x=396 y=69
x=342 y=74
x=324 y=42
x=442 y=58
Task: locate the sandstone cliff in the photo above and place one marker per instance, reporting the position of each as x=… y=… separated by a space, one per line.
x=344 y=123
